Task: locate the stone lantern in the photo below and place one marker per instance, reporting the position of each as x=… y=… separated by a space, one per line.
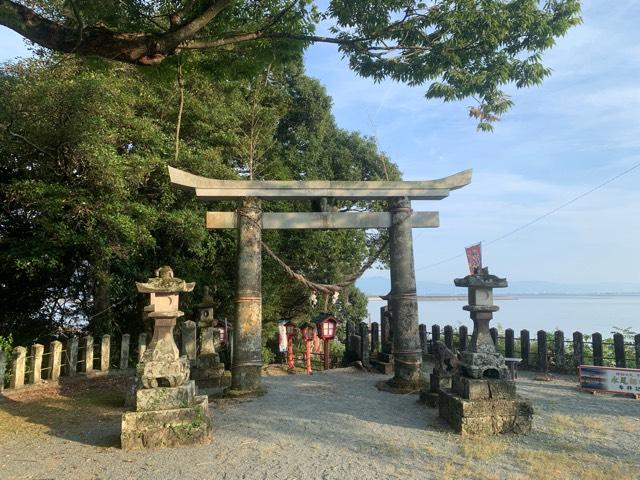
x=168 y=411
x=208 y=369
x=481 y=360
x=482 y=398
x=205 y=309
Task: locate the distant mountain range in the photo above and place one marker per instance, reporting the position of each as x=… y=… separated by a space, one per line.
x=382 y=285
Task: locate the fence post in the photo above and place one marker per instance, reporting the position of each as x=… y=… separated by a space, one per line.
x=365 y=346
x=72 y=357
x=3 y=368
x=142 y=345
x=124 y=351
x=435 y=334
x=543 y=365
x=88 y=354
x=509 y=347
x=597 y=349
x=462 y=335
x=618 y=347
x=105 y=353
x=55 y=360
x=35 y=376
x=17 y=367
x=524 y=347
x=189 y=340
x=578 y=349
x=422 y=331
x=493 y=331
x=559 y=349
x=375 y=337
x=637 y=342
x=448 y=336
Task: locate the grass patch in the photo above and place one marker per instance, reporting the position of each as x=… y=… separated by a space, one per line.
x=553 y=465
x=482 y=448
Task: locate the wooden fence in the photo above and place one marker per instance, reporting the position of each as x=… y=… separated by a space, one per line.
x=545 y=351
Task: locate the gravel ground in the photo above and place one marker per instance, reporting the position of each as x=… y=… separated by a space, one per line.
x=333 y=425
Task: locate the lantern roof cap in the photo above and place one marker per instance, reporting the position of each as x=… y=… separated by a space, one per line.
x=165 y=282
x=481 y=279
x=207 y=300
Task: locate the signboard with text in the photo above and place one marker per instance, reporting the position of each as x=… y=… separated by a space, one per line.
x=610 y=379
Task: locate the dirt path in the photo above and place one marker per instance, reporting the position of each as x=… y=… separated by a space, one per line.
x=332 y=425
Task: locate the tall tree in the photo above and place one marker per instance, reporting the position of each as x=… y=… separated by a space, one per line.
x=460 y=48
x=88 y=208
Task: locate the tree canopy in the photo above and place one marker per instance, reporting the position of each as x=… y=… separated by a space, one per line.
x=88 y=208
x=457 y=48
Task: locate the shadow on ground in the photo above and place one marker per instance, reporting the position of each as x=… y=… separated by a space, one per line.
x=81 y=410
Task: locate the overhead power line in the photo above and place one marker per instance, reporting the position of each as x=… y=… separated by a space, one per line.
x=537 y=219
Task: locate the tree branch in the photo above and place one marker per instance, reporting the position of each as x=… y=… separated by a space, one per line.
x=189 y=29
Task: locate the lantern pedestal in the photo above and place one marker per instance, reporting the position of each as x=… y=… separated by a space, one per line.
x=484 y=407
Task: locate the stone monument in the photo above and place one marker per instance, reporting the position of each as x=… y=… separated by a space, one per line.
x=208 y=369
x=482 y=398
x=168 y=410
x=446 y=365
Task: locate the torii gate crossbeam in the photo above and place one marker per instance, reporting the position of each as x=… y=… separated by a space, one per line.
x=249 y=222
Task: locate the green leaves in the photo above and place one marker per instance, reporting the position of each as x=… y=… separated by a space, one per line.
x=462 y=49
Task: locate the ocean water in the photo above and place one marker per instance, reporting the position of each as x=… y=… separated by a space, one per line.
x=586 y=314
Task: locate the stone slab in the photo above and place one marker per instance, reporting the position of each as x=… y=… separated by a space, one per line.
x=485 y=389
x=208 y=188
x=485 y=417
x=385 y=357
x=323 y=220
x=209 y=360
x=167 y=428
x=385 y=368
x=165 y=398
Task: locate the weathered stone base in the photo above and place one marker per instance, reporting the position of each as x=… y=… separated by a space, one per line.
x=429 y=394
x=212 y=381
x=395 y=385
x=473 y=389
x=236 y=393
x=167 y=428
x=385 y=368
x=207 y=373
x=485 y=417
x=165 y=398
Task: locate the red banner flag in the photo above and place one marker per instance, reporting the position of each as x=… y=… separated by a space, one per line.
x=474 y=257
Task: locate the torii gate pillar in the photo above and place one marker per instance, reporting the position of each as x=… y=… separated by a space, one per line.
x=403 y=301
x=247 y=324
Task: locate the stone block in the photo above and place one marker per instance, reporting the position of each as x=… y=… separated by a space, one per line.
x=474 y=389
x=209 y=360
x=485 y=417
x=167 y=428
x=385 y=357
x=386 y=368
x=165 y=398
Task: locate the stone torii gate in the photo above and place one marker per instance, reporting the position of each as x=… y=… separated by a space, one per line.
x=249 y=221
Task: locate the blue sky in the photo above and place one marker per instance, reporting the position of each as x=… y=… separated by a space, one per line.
x=581 y=127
